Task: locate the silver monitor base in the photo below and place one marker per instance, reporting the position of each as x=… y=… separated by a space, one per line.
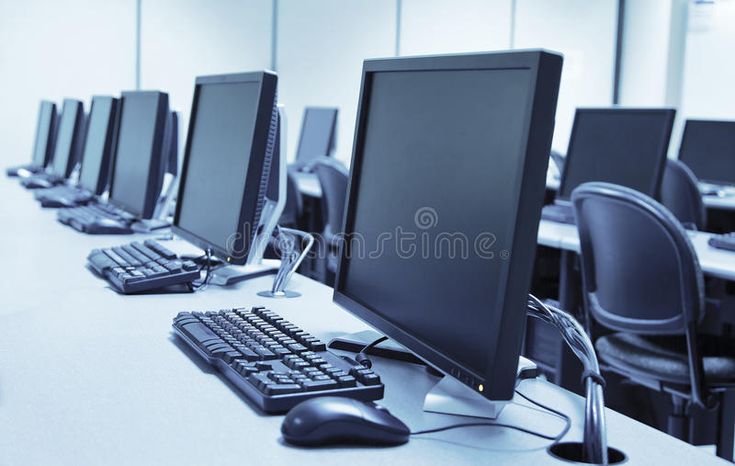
x=230 y=275
x=450 y=396
x=279 y=294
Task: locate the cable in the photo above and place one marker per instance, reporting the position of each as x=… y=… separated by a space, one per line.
x=208 y=268
x=555 y=439
x=362 y=357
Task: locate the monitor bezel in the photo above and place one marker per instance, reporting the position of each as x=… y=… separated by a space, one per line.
x=102 y=175
x=249 y=209
x=497 y=381
x=686 y=134
x=155 y=169
x=656 y=182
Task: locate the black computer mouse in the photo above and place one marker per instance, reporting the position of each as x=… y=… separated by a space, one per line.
x=331 y=420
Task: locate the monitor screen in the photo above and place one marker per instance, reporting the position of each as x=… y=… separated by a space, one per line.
x=433 y=210
x=708 y=148
x=317 y=133
x=101 y=117
x=621 y=146
x=224 y=162
x=137 y=156
x=61 y=165
x=44 y=133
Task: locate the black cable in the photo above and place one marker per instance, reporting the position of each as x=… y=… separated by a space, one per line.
x=208 y=268
x=362 y=357
x=555 y=439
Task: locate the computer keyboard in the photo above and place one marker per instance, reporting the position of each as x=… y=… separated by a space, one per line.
x=559 y=213
x=725 y=241
x=272 y=361
x=97 y=219
x=138 y=267
x=63 y=196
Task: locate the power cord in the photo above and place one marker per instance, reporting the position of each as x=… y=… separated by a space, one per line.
x=364 y=360
x=362 y=356
x=202 y=284
x=555 y=439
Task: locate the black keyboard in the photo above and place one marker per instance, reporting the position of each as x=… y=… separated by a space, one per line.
x=559 y=213
x=726 y=241
x=272 y=361
x=138 y=267
x=63 y=196
x=23 y=170
x=97 y=219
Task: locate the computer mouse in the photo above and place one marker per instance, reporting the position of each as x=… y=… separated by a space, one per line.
x=332 y=420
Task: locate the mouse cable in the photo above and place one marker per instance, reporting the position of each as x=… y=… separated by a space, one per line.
x=208 y=268
x=555 y=439
x=362 y=355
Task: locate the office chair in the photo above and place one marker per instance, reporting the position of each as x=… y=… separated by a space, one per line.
x=641 y=279
x=294 y=208
x=680 y=194
x=333 y=177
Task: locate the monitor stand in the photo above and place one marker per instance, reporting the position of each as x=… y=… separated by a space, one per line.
x=149 y=225
x=448 y=396
x=230 y=275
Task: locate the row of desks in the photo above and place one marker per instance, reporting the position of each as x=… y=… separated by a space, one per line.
x=91 y=377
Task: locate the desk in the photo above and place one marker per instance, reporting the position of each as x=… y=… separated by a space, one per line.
x=714 y=262
x=90 y=377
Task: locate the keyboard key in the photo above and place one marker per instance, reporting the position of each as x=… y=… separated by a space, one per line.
x=281 y=389
x=314 y=385
x=160 y=249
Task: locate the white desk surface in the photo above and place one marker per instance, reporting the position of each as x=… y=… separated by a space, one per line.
x=90 y=377
x=714 y=262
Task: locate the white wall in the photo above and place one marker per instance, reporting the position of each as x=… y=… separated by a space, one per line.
x=183 y=39
x=709 y=70
x=54 y=49
x=321 y=45
x=585 y=32
x=440 y=26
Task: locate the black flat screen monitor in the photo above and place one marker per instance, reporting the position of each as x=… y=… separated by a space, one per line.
x=43 y=146
x=708 y=148
x=448 y=179
x=624 y=146
x=98 y=144
x=68 y=138
x=317 y=133
x=227 y=160
x=137 y=172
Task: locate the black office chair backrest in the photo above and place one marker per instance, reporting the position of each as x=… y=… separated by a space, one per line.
x=333 y=177
x=680 y=194
x=640 y=272
x=294 y=203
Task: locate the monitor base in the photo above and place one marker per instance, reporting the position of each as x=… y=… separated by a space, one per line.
x=450 y=396
x=230 y=275
x=355 y=342
x=279 y=294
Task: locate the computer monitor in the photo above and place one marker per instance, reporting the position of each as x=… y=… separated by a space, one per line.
x=137 y=171
x=227 y=162
x=69 y=138
x=43 y=146
x=708 y=148
x=317 y=133
x=98 y=145
x=624 y=146
x=448 y=178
